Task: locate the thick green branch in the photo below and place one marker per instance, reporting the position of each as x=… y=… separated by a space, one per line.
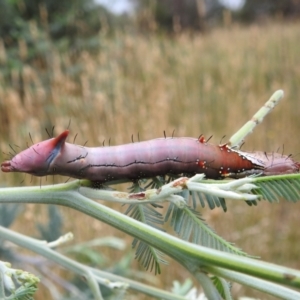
x=193 y=257
x=241 y=134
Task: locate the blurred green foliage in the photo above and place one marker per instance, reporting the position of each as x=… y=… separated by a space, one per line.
x=30 y=29
x=58 y=19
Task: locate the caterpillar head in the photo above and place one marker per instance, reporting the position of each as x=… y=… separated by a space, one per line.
x=37 y=159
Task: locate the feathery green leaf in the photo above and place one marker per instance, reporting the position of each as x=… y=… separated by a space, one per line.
x=189 y=225
x=148 y=256
x=212 y=201
x=273 y=188
x=222 y=286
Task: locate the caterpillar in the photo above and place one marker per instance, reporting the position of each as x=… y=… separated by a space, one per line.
x=145 y=159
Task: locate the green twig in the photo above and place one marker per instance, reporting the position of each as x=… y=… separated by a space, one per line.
x=241 y=134
x=93 y=274
x=256 y=283
x=207 y=285
x=189 y=255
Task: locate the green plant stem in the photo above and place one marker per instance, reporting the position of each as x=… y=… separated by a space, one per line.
x=208 y=287
x=193 y=257
x=2 y=294
x=240 y=135
x=140 y=287
x=259 y=284
x=42 y=249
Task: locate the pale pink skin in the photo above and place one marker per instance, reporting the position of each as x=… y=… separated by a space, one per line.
x=145 y=159
x=37 y=159
x=275 y=163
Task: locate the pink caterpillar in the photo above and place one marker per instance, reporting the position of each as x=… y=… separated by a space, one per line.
x=145 y=159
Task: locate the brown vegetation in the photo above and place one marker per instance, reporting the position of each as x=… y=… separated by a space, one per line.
x=196 y=84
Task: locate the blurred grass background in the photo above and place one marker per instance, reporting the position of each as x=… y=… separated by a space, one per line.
x=194 y=84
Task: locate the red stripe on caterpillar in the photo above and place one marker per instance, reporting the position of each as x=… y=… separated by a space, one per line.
x=144 y=159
